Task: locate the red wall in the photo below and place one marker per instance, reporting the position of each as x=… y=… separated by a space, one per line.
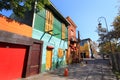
x=72 y=27
x=69 y=32
x=11 y=62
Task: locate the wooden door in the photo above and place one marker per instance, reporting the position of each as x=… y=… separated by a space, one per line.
x=49 y=59
x=35 y=59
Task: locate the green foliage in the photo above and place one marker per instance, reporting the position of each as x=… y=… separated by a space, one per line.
x=107 y=47
x=104 y=47
x=20 y=6
x=116 y=23
x=116 y=26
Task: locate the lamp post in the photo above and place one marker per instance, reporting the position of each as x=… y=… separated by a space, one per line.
x=104 y=30
x=100 y=24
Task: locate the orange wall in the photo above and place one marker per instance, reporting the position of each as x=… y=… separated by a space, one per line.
x=13 y=26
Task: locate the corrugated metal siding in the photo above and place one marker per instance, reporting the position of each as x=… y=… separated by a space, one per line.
x=55 y=41
x=40 y=20
x=57 y=28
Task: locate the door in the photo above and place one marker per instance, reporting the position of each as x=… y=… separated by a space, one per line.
x=49 y=59
x=84 y=55
x=67 y=56
x=35 y=59
x=12 y=58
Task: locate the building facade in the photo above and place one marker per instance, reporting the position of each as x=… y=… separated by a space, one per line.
x=51 y=27
x=72 y=48
x=35 y=44
x=86 y=48
x=17 y=48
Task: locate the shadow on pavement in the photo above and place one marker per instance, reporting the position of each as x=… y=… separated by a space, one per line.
x=97 y=69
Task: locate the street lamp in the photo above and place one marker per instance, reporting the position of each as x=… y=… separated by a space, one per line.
x=100 y=24
x=103 y=30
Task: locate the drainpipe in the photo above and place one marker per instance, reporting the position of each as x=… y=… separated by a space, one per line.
x=78 y=45
x=34 y=15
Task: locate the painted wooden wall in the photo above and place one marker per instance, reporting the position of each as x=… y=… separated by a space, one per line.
x=54 y=41
x=13 y=26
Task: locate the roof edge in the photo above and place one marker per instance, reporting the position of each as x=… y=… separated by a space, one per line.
x=71 y=21
x=52 y=7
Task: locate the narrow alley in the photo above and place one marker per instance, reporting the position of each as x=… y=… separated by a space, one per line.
x=59 y=39
x=94 y=69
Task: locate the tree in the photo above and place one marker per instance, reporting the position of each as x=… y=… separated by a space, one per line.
x=104 y=40
x=106 y=48
x=19 y=7
x=109 y=42
x=116 y=26
x=115 y=33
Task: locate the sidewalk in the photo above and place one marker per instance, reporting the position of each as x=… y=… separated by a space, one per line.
x=94 y=70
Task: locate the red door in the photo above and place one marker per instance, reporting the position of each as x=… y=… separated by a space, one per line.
x=11 y=61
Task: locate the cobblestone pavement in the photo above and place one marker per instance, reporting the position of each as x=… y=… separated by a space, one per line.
x=95 y=69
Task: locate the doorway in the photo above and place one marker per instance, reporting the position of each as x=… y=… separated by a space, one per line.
x=49 y=59
x=35 y=61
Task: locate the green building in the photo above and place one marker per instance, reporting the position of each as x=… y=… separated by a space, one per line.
x=51 y=28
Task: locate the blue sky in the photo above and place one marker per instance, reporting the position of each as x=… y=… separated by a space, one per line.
x=85 y=13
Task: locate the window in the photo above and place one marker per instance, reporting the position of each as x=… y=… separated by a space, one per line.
x=60 y=53
x=49 y=22
x=63 y=31
x=72 y=32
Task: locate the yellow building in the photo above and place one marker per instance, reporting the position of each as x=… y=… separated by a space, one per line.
x=86 y=49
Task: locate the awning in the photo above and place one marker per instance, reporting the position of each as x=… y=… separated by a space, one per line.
x=50 y=47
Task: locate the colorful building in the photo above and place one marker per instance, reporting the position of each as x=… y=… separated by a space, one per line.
x=19 y=52
x=72 y=48
x=51 y=27
x=86 y=49
x=35 y=44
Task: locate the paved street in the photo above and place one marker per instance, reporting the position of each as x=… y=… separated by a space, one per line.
x=95 y=69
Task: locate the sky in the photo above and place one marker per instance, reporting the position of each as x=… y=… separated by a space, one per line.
x=85 y=14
